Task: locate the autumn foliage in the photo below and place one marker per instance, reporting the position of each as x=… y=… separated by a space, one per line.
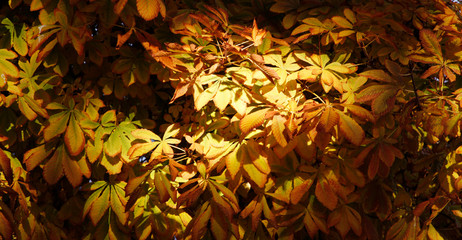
x=249 y=119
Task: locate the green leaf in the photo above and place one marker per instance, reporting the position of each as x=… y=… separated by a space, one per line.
x=100 y=206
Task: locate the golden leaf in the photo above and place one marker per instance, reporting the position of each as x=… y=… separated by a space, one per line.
x=252 y=120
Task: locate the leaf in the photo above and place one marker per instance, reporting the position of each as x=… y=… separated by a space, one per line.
x=377 y=74
x=430 y=43
x=360 y=112
x=113 y=145
x=74 y=138
x=160 y=188
x=325 y=194
x=72 y=171
x=278 y=129
x=133 y=183
x=149 y=9
x=58 y=123
x=299 y=191
x=433 y=234
x=350 y=129
x=5 y=165
x=200 y=223
x=233 y=163
x=99 y=206
x=252 y=172
x=329 y=118
x=7 y=67
x=117 y=206
x=53 y=169
x=112 y=164
x=252 y=120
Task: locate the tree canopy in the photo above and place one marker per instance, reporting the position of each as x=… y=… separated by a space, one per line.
x=244 y=119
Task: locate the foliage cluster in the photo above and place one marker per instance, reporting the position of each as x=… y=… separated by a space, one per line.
x=242 y=119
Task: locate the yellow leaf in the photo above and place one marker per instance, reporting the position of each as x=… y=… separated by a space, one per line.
x=74 y=138
x=254 y=174
x=145 y=135
x=222 y=99
x=149 y=9
x=113 y=145
x=112 y=164
x=99 y=207
x=232 y=162
x=342 y=22
x=140 y=149
x=26 y=109
x=252 y=120
x=160 y=187
x=278 y=129
x=350 y=129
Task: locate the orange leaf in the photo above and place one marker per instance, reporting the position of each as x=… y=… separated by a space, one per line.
x=252 y=120
x=5 y=165
x=74 y=138
x=72 y=171
x=119 y=6
x=360 y=112
x=377 y=74
x=373 y=166
x=278 y=129
x=325 y=194
x=53 y=169
x=328 y=119
x=35 y=156
x=121 y=39
x=299 y=191
x=350 y=129
x=149 y=9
